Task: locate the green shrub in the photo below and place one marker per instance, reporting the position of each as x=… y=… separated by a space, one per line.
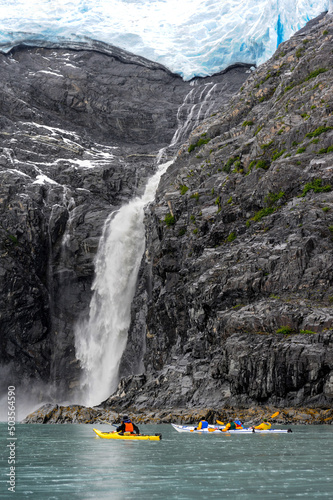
x=315 y=73
x=232 y=236
x=307 y=331
x=202 y=141
x=229 y=163
x=258 y=130
x=248 y=123
x=252 y=164
x=267 y=145
x=318 y=131
x=263 y=213
x=272 y=198
x=315 y=186
x=286 y=330
x=262 y=164
x=300 y=150
x=325 y=150
x=183 y=189
x=199 y=143
x=196 y=196
x=169 y=219
x=289 y=87
x=277 y=154
x=182 y=231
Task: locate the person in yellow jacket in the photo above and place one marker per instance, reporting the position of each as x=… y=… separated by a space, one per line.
x=264 y=426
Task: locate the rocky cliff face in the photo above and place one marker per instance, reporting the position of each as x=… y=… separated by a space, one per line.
x=237 y=283
x=80 y=131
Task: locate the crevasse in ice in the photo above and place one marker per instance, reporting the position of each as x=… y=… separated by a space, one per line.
x=190 y=37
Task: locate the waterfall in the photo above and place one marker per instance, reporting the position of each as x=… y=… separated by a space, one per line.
x=101 y=339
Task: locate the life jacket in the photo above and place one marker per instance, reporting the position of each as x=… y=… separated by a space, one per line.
x=231 y=426
x=239 y=424
x=203 y=424
x=129 y=426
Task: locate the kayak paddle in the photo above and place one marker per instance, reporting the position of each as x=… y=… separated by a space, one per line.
x=105 y=422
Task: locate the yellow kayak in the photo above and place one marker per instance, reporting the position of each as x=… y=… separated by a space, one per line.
x=127 y=436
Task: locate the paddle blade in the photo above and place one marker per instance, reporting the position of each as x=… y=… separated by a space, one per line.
x=275 y=414
x=219 y=423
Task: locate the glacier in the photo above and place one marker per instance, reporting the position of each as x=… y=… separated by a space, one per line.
x=191 y=37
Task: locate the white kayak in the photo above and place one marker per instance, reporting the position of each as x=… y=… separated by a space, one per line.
x=219 y=430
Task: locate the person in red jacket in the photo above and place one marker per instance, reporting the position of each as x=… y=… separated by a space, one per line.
x=127 y=426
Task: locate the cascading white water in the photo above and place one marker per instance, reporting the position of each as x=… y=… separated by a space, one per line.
x=101 y=340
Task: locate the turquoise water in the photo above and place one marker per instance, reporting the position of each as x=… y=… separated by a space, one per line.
x=68 y=462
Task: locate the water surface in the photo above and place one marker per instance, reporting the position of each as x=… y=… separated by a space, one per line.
x=68 y=462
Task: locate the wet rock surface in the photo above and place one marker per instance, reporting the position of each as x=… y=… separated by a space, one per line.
x=76 y=414
x=238 y=267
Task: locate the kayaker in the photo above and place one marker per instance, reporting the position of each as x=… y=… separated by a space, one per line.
x=230 y=426
x=203 y=424
x=239 y=424
x=264 y=426
x=127 y=426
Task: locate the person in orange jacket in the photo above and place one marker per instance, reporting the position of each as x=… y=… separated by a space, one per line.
x=127 y=426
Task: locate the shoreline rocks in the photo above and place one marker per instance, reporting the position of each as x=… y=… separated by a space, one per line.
x=77 y=414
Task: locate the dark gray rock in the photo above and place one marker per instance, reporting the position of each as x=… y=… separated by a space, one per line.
x=81 y=127
x=250 y=251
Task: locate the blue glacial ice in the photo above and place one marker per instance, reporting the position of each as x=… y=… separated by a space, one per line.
x=190 y=37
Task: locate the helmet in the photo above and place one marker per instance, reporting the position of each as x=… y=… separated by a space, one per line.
x=125 y=417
